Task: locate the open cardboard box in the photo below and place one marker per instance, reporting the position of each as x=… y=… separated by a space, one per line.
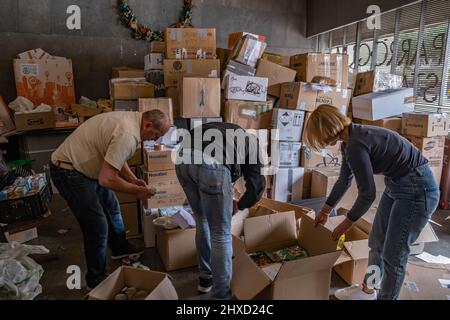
x=306 y=278
x=157 y=284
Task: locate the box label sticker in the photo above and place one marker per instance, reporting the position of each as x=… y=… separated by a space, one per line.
x=29 y=69
x=248 y=113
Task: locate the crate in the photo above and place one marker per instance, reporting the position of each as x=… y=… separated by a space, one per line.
x=26 y=208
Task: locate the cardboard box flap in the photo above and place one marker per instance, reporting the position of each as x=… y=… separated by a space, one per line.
x=343 y=258
x=307 y=265
x=427 y=235
x=164 y=291
x=358 y=250
x=284 y=206
x=238 y=245
x=271 y=231
x=248 y=279
x=317 y=240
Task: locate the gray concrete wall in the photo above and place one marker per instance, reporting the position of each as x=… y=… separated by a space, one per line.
x=103 y=42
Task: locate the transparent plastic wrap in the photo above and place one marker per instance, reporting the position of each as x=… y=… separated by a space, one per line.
x=384 y=81
x=19 y=274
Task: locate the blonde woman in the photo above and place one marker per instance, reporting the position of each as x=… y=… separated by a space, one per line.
x=410 y=198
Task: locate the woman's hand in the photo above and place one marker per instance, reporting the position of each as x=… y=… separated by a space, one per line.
x=322 y=216
x=341 y=229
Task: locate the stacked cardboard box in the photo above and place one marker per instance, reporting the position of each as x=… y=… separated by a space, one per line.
x=153 y=68
x=125 y=92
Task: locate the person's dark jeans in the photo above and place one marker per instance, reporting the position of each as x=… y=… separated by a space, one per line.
x=98 y=212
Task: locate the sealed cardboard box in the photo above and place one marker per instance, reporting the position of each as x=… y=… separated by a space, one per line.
x=298 y=96
x=125 y=72
x=6 y=120
x=154 y=61
x=433 y=150
x=174 y=94
x=323 y=180
x=163 y=104
x=383 y=104
x=125 y=105
x=224 y=56
x=276 y=74
x=286 y=154
x=157 y=284
x=130 y=216
x=168 y=189
x=190 y=43
x=394 y=123
x=288 y=184
x=155 y=160
x=157 y=47
x=175 y=70
x=249 y=115
x=340 y=98
x=375 y=81
x=248 y=51
x=425 y=124
x=233 y=38
x=310 y=65
x=131 y=89
x=47 y=79
x=34 y=120
x=237 y=69
x=276 y=58
x=200 y=97
x=176 y=248
x=288 y=124
x=300 y=279
x=246 y=88
x=328 y=157
x=195 y=122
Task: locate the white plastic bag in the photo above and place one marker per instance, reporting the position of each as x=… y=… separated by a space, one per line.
x=21 y=105
x=165 y=222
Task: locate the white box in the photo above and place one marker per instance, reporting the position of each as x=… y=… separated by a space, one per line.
x=384 y=104
x=286 y=154
x=246 y=88
x=22 y=236
x=288 y=124
x=154 y=61
x=288 y=184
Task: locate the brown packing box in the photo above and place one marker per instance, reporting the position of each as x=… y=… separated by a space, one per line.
x=175 y=70
x=163 y=104
x=125 y=72
x=433 y=150
x=190 y=43
x=155 y=161
x=248 y=51
x=233 y=38
x=169 y=192
x=425 y=281
x=131 y=89
x=157 y=47
x=224 y=56
x=310 y=65
x=298 y=95
x=174 y=94
x=276 y=74
x=136 y=160
x=307 y=177
x=323 y=180
x=34 y=121
x=200 y=98
x=306 y=278
x=6 y=120
x=340 y=98
x=130 y=216
x=329 y=157
x=425 y=124
x=276 y=58
x=157 y=284
x=176 y=248
x=394 y=124
x=376 y=80
x=249 y=115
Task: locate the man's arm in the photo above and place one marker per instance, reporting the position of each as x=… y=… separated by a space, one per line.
x=127 y=174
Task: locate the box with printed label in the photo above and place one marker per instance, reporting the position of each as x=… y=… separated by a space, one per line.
x=331 y=156
x=276 y=74
x=154 y=61
x=155 y=160
x=190 y=43
x=168 y=189
x=246 y=88
x=237 y=69
x=34 y=120
x=175 y=70
x=425 y=124
x=286 y=154
x=248 y=51
x=288 y=184
x=298 y=96
x=288 y=124
x=339 y=98
x=376 y=80
x=200 y=97
x=249 y=115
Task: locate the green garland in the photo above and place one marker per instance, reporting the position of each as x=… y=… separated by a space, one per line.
x=142 y=32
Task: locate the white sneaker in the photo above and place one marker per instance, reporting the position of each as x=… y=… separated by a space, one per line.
x=354 y=292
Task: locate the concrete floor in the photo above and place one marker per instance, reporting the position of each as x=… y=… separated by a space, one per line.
x=67 y=249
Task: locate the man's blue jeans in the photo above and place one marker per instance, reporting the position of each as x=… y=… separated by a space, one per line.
x=208 y=188
x=98 y=212
x=406 y=206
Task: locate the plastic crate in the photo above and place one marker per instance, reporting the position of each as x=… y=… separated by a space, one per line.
x=26 y=208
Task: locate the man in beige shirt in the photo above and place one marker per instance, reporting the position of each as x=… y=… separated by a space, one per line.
x=91 y=163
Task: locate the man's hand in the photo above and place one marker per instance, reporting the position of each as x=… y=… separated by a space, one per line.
x=139 y=182
x=322 y=216
x=146 y=193
x=341 y=229
x=235 y=207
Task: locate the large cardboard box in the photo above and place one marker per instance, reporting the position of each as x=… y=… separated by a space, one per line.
x=156 y=77
x=233 y=38
x=288 y=184
x=394 y=123
x=155 y=161
x=154 y=61
x=302 y=279
x=285 y=154
x=175 y=70
x=289 y=124
x=310 y=65
x=249 y=115
x=276 y=74
x=375 y=81
x=339 y=98
x=298 y=95
x=246 y=88
x=125 y=72
x=190 y=43
x=131 y=89
x=425 y=124
x=34 y=120
x=163 y=104
x=157 y=284
x=45 y=79
x=329 y=157
x=169 y=192
x=323 y=180
x=174 y=94
x=237 y=69
x=248 y=51
x=200 y=98
x=383 y=104
x=6 y=120
x=433 y=150
x=276 y=58
x=130 y=216
x=176 y=248
x=157 y=47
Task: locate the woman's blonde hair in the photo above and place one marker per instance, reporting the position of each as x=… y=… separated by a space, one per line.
x=324 y=126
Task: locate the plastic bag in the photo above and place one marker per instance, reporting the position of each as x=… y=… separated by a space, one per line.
x=167 y=222
x=21 y=105
x=19 y=274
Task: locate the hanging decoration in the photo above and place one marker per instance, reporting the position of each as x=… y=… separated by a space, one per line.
x=142 y=32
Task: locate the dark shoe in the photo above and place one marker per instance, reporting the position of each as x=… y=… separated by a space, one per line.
x=204 y=285
x=131 y=250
